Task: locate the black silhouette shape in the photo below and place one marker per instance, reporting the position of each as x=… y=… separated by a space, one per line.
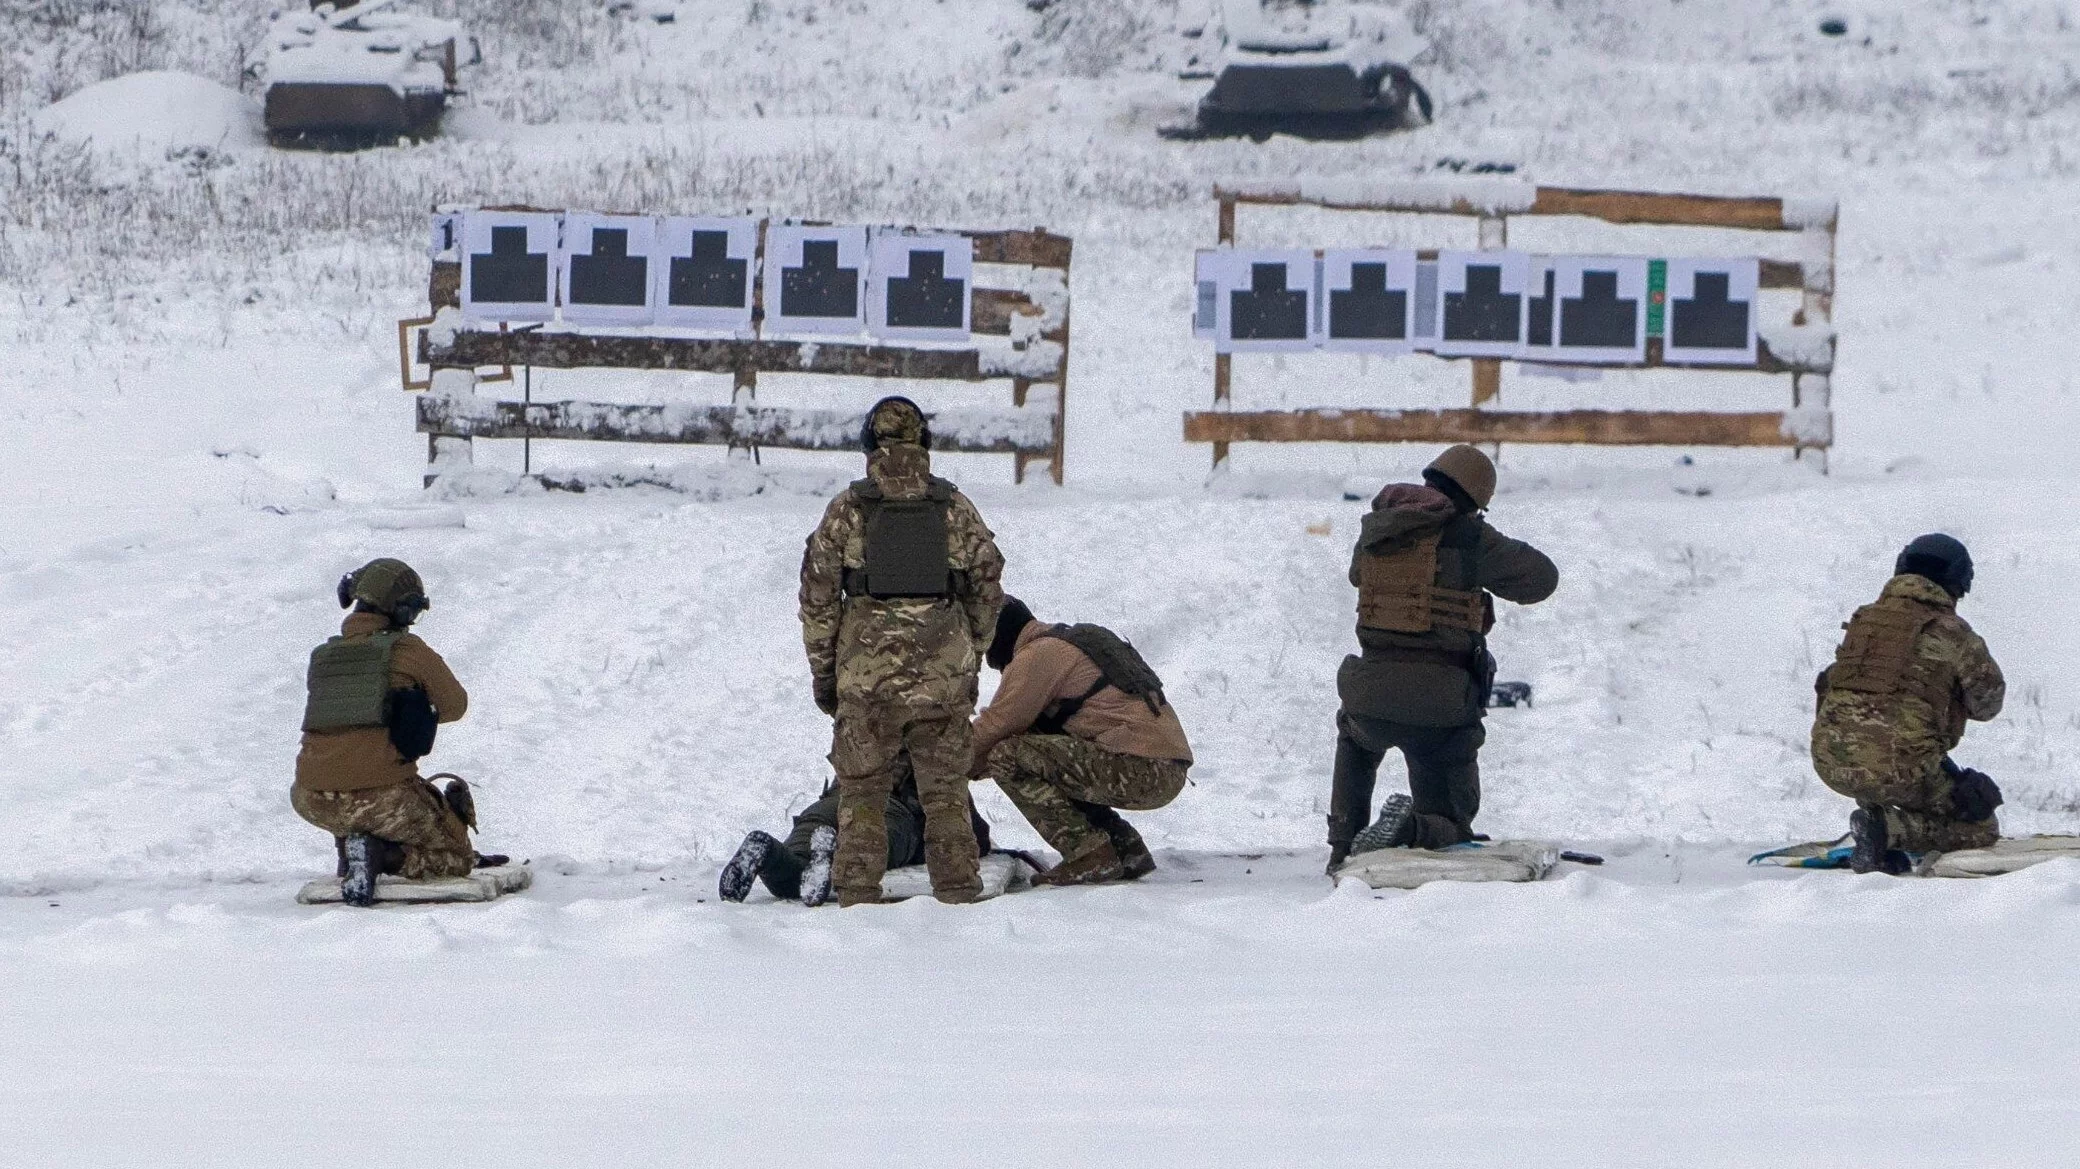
x=1368 y=310
x=1709 y=319
x=610 y=276
x=1483 y=312
x=708 y=278
x=509 y=273
x=1268 y=311
x=1538 y=324
x=1599 y=318
x=926 y=299
x=819 y=288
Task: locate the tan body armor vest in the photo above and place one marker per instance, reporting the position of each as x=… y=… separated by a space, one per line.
x=1398 y=592
x=1878 y=648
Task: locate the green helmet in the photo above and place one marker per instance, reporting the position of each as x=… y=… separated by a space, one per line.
x=387 y=586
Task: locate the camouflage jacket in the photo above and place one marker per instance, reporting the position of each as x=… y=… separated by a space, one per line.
x=914 y=653
x=1949 y=678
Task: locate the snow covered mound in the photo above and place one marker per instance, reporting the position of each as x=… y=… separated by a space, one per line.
x=153 y=115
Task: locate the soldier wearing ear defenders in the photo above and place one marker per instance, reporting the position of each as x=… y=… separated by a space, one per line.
x=376 y=693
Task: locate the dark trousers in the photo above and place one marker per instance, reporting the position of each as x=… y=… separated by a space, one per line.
x=782 y=874
x=1444 y=777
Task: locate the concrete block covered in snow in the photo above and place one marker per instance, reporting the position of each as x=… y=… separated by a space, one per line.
x=2005 y=856
x=1407 y=868
x=1000 y=874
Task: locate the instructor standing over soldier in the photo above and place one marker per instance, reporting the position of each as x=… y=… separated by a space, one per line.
x=899 y=601
x=1428 y=568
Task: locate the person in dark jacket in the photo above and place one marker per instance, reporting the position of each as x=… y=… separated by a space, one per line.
x=1428 y=567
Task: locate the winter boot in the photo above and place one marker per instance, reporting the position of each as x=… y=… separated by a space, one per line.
x=363 y=855
x=1395 y=828
x=744 y=868
x=1135 y=860
x=816 y=878
x=460 y=801
x=1092 y=867
x=1870 y=854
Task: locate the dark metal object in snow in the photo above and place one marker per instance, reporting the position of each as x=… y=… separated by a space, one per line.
x=1260 y=94
x=1509 y=694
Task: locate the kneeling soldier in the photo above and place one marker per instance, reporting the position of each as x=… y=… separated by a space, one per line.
x=1428 y=568
x=1079 y=727
x=1908 y=675
x=376 y=693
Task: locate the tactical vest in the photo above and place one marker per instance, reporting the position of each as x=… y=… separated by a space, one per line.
x=349 y=682
x=1398 y=590
x=1877 y=650
x=1120 y=666
x=905 y=553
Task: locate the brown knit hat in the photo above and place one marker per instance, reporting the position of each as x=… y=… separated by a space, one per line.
x=1467 y=469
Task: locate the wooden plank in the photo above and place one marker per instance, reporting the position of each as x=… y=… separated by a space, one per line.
x=1487 y=380
x=1039 y=248
x=1597 y=427
x=1663 y=209
x=702 y=355
x=444 y=286
x=764 y=426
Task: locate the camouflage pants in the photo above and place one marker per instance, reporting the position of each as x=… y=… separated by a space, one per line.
x=1062 y=784
x=1916 y=803
x=411 y=814
x=867 y=755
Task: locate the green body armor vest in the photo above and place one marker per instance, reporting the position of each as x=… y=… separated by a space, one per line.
x=905 y=540
x=349 y=682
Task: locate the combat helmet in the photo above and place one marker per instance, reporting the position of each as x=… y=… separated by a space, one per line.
x=1465 y=472
x=388 y=586
x=1942 y=559
x=895 y=419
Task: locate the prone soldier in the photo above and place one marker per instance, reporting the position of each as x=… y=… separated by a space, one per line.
x=1907 y=677
x=899 y=594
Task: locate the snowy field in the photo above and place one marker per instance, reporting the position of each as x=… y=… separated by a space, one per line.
x=202 y=430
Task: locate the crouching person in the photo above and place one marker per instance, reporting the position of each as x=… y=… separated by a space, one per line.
x=1908 y=675
x=800 y=865
x=376 y=692
x=1079 y=727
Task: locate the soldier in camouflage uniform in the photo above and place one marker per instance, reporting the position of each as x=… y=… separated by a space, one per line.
x=1908 y=675
x=898 y=602
x=375 y=693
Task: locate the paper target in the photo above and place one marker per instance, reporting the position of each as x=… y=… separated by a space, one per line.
x=1480 y=310
x=606 y=268
x=1711 y=312
x=1266 y=300
x=445 y=233
x=1599 y=309
x=703 y=273
x=1368 y=300
x=508 y=265
x=816 y=280
x=921 y=286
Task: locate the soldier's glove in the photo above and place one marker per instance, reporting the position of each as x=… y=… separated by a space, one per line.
x=826 y=691
x=1973 y=794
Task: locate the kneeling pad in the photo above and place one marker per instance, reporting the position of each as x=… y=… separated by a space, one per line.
x=2003 y=856
x=1480 y=860
x=1000 y=874
x=482 y=885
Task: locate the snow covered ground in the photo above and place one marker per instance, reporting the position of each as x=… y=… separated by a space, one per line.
x=200 y=428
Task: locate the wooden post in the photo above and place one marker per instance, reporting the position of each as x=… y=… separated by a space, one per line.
x=743 y=392
x=1223 y=363
x=447 y=452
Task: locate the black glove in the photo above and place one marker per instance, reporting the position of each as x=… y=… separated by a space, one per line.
x=826 y=691
x=1973 y=794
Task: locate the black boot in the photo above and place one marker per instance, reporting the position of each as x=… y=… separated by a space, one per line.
x=745 y=867
x=1870 y=854
x=816 y=879
x=490 y=860
x=364 y=859
x=1395 y=828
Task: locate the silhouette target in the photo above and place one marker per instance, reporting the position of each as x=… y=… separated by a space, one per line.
x=1538 y=328
x=509 y=273
x=1483 y=312
x=819 y=288
x=609 y=275
x=1599 y=318
x=1267 y=311
x=1709 y=318
x=926 y=298
x=1368 y=309
x=708 y=278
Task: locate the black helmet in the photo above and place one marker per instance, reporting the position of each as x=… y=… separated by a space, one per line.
x=895 y=419
x=1012 y=619
x=1942 y=559
x=386 y=586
